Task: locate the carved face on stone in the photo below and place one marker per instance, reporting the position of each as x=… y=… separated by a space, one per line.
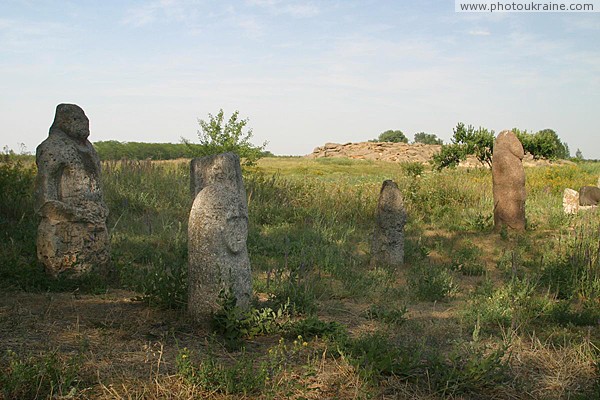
x=221 y=172
x=236 y=227
x=236 y=233
x=71 y=119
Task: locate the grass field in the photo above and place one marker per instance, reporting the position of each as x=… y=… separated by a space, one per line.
x=471 y=315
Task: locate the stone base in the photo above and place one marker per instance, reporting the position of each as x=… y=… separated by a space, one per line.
x=73 y=248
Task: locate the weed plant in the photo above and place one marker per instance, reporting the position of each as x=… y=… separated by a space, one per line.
x=48 y=376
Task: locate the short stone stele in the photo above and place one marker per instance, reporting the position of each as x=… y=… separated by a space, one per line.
x=508 y=177
x=217 y=234
x=72 y=236
x=387 y=248
x=570 y=201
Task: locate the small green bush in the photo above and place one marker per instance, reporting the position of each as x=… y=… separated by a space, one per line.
x=312 y=326
x=412 y=169
x=234 y=324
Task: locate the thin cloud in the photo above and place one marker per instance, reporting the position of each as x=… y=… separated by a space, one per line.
x=479 y=32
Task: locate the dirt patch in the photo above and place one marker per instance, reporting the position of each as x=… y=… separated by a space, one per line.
x=117 y=335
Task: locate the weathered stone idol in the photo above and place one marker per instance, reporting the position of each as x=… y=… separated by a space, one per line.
x=508 y=177
x=387 y=248
x=589 y=196
x=217 y=234
x=72 y=236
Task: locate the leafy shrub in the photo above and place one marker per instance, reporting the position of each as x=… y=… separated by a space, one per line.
x=312 y=326
x=234 y=324
x=480 y=221
x=412 y=169
x=216 y=137
x=466 y=141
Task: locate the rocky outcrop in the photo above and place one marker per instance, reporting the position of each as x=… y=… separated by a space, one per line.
x=404 y=152
x=379 y=151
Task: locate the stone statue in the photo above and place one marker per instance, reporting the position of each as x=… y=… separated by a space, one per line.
x=589 y=196
x=570 y=201
x=388 y=240
x=72 y=236
x=508 y=177
x=217 y=234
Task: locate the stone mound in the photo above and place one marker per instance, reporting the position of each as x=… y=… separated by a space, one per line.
x=378 y=151
x=404 y=152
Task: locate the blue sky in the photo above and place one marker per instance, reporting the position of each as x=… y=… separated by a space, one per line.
x=303 y=72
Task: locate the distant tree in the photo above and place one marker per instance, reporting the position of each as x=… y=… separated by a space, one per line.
x=466 y=141
x=392 y=136
x=427 y=138
x=219 y=137
x=543 y=144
